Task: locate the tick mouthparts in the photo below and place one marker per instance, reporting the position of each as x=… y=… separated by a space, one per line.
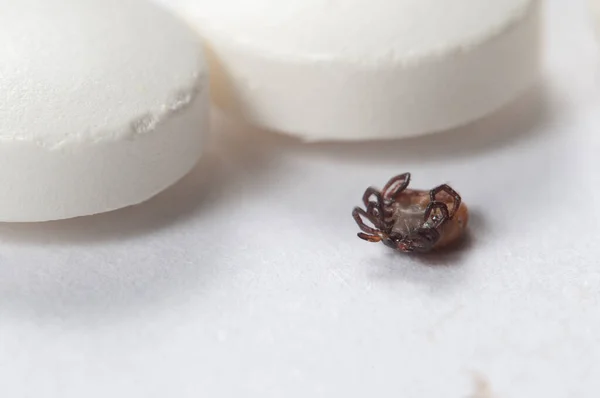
x=404 y=247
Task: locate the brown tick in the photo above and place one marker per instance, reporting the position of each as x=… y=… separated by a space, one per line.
x=411 y=220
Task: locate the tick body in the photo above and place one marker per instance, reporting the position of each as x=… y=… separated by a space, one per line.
x=411 y=220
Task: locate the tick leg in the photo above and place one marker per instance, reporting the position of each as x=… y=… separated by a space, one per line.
x=358 y=214
x=369 y=238
x=375 y=208
x=370 y=193
x=395 y=186
x=435 y=223
x=447 y=189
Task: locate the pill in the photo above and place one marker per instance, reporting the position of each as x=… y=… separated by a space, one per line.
x=103 y=104
x=366 y=69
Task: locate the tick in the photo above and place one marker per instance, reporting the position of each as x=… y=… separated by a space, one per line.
x=411 y=220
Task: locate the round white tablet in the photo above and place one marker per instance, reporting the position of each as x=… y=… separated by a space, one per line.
x=365 y=69
x=103 y=104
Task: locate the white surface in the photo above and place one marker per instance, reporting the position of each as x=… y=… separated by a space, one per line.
x=102 y=105
x=364 y=69
x=247 y=278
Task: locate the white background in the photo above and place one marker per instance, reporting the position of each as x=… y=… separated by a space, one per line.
x=247 y=280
